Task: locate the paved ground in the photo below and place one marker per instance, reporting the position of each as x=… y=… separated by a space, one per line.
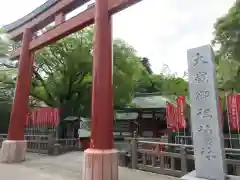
x=64 y=167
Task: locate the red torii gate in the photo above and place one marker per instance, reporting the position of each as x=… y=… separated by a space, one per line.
x=101 y=158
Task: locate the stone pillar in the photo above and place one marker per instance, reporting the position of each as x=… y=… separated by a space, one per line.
x=101 y=160
x=205 y=115
x=14 y=149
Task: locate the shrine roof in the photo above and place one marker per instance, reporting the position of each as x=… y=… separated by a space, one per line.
x=153 y=101
x=39 y=10
x=147 y=103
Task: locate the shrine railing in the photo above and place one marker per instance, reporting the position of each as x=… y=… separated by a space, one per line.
x=69 y=144
x=2 y=138
x=46 y=144
x=173 y=159
x=35 y=143
x=230 y=141
x=38 y=143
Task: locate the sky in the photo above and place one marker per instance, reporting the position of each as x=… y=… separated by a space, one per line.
x=161 y=30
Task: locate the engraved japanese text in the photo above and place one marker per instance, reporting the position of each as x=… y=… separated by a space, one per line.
x=199 y=59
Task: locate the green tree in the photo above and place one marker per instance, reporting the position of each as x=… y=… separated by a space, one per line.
x=5 y=44
x=163 y=83
x=62 y=74
x=127 y=71
x=150 y=83
x=175 y=85
x=146 y=63
x=227 y=40
x=6 y=82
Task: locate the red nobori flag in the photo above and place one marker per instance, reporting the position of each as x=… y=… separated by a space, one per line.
x=44 y=116
x=47 y=116
x=175 y=118
x=40 y=116
x=233 y=113
x=56 y=117
x=28 y=120
x=170 y=115
x=34 y=117
x=238 y=115
x=221 y=112
x=181 y=103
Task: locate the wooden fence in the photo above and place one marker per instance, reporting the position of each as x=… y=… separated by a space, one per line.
x=157 y=157
x=45 y=144
x=2 y=138
x=37 y=143
x=173 y=159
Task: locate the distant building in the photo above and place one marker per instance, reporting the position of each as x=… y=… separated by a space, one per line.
x=146 y=118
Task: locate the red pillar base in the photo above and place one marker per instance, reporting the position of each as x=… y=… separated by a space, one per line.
x=13 y=151
x=100 y=164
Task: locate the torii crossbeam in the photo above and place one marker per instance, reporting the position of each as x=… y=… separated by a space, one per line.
x=63 y=28
x=101 y=160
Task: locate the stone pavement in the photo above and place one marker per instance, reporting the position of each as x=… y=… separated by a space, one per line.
x=64 y=167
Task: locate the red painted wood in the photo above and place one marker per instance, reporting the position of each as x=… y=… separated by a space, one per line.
x=59 y=19
x=20 y=103
x=63 y=6
x=102 y=91
x=74 y=24
x=85 y=142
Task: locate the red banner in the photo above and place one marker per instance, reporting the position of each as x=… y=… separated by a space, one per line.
x=238 y=115
x=34 y=117
x=28 y=120
x=233 y=103
x=46 y=116
x=170 y=115
x=56 y=116
x=221 y=112
x=175 y=119
x=181 y=103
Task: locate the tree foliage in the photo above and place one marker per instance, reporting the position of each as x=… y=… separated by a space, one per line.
x=165 y=83
x=146 y=64
x=227 y=40
x=62 y=73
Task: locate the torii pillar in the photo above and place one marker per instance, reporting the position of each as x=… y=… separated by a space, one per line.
x=14 y=149
x=101 y=160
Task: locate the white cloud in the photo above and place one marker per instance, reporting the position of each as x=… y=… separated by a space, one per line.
x=12 y=10
x=162 y=30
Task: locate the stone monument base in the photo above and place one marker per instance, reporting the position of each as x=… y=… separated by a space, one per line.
x=100 y=164
x=13 y=151
x=192 y=176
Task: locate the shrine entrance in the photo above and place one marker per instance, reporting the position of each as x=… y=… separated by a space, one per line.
x=26 y=32
x=101 y=159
